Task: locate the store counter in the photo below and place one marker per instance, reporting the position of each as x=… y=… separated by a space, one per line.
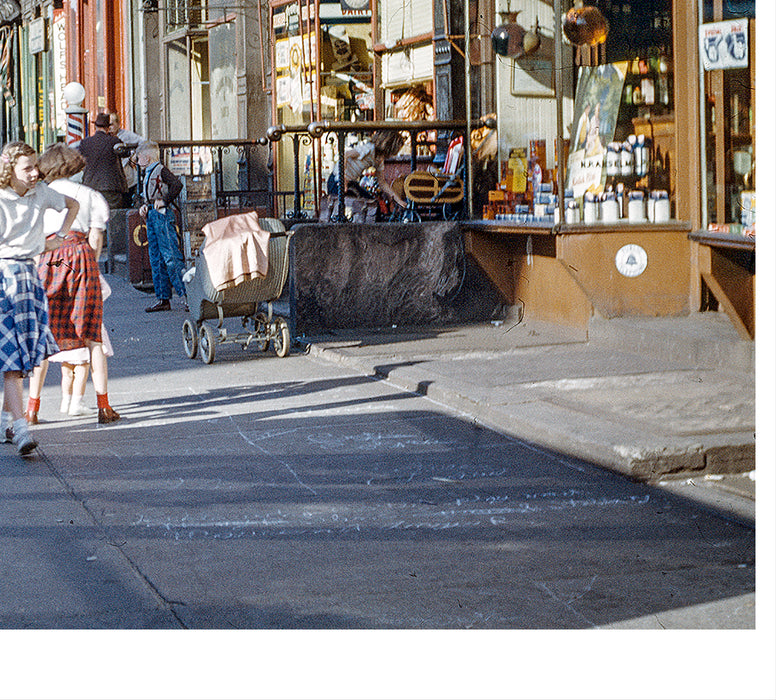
x=726 y=263
x=566 y=273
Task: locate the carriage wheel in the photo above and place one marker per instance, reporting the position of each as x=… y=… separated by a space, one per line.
x=190 y=345
x=260 y=329
x=281 y=338
x=207 y=343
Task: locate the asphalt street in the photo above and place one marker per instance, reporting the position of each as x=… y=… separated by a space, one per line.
x=264 y=493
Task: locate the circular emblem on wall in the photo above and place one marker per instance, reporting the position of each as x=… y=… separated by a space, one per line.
x=631 y=260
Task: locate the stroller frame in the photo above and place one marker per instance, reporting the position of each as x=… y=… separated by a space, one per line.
x=250 y=300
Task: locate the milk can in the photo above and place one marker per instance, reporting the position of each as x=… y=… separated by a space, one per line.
x=636 y=207
x=610 y=209
x=590 y=210
x=626 y=159
x=613 y=159
x=659 y=206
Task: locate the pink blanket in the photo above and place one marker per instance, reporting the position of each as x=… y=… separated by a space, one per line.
x=235 y=250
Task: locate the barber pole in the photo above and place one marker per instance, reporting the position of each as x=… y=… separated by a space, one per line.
x=74 y=94
x=76 y=128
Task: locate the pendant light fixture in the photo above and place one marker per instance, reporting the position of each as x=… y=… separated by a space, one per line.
x=585 y=25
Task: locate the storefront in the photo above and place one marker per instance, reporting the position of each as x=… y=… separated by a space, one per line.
x=334 y=60
x=323 y=69
x=662 y=100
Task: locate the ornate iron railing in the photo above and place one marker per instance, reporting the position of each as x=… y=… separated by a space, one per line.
x=242 y=169
x=340 y=130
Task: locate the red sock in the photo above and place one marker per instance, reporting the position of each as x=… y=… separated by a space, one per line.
x=33 y=405
x=102 y=401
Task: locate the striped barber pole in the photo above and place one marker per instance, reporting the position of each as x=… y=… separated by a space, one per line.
x=6 y=37
x=76 y=127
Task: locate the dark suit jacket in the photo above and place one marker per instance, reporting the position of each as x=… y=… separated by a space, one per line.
x=103 y=170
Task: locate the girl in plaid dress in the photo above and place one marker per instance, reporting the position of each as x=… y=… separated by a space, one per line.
x=71 y=278
x=25 y=338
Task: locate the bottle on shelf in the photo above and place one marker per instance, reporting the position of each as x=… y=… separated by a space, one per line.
x=647 y=81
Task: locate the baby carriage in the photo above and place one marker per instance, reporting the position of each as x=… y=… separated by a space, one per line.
x=244 y=299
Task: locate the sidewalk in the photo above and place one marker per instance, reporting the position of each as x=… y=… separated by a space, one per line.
x=666 y=400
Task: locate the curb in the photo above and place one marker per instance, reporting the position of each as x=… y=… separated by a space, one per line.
x=588 y=437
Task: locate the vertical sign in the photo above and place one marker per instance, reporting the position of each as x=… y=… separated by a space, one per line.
x=59 y=57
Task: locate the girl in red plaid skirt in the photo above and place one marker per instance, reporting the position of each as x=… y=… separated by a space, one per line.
x=25 y=338
x=71 y=277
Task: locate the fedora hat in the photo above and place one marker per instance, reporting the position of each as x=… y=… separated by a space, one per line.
x=102 y=120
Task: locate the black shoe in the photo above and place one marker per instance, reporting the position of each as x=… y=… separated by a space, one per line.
x=161 y=305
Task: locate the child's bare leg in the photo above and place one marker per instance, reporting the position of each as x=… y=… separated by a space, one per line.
x=13 y=394
x=37 y=378
x=80 y=375
x=105 y=413
x=67 y=386
x=13 y=399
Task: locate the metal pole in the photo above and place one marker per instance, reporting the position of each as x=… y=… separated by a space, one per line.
x=342 y=185
x=560 y=155
x=297 y=184
x=468 y=83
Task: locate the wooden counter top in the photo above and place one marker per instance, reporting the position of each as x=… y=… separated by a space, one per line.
x=551 y=229
x=723 y=240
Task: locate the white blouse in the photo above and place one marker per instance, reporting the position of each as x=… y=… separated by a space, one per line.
x=94 y=211
x=22 y=220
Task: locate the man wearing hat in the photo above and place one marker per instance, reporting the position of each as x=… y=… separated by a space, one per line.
x=103 y=170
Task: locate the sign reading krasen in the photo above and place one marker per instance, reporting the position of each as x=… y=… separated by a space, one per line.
x=724 y=44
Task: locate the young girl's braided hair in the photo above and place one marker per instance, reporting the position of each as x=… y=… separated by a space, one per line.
x=10 y=154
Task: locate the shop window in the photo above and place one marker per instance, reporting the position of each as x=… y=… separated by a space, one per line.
x=318 y=75
x=623 y=144
x=727 y=52
x=401 y=20
x=178 y=94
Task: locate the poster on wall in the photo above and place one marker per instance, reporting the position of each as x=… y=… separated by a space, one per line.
x=283 y=90
x=596 y=109
x=724 y=44
x=281 y=54
x=295 y=64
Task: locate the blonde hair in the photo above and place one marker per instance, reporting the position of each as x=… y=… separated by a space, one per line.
x=10 y=154
x=60 y=161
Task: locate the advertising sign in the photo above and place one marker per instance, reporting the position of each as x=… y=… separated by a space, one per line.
x=596 y=108
x=724 y=44
x=37 y=35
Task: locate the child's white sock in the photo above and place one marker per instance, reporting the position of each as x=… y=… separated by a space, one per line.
x=64 y=407
x=77 y=408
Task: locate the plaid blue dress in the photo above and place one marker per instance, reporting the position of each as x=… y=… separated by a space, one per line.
x=25 y=337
